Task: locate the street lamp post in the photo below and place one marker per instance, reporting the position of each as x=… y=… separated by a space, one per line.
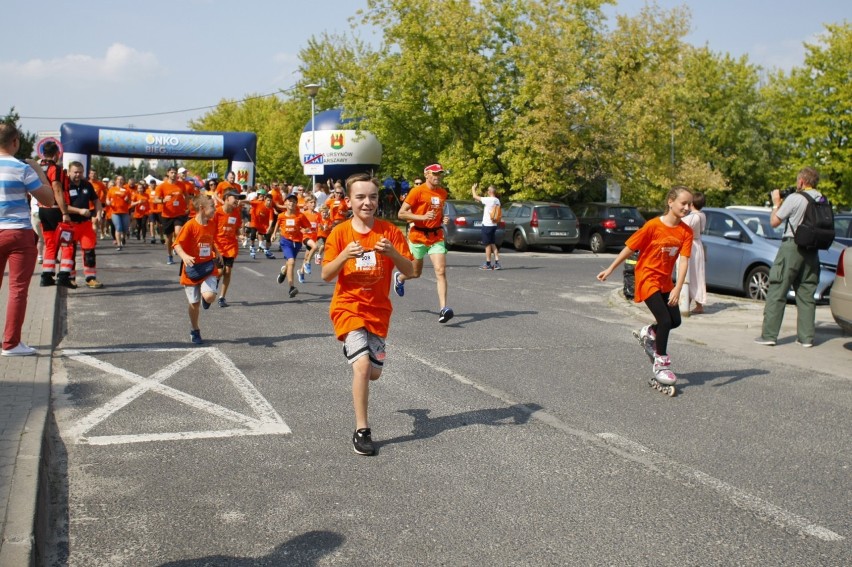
x=312 y=90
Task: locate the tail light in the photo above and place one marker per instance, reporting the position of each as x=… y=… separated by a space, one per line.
x=460 y=221
x=534 y=220
x=609 y=224
x=502 y=224
x=841 y=271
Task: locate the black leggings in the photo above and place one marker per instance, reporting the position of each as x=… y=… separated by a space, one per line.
x=667 y=316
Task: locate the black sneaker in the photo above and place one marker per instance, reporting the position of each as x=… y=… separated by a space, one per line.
x=282 y=275
x=293 y=292
x=222 y=302
x=204 y=303
x=446 y=315
x=47 y=280
x=362 y=442
x=195 y=336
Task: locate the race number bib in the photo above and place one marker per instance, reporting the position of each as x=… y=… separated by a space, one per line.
x=232 y=220
x=366 y=261
x=204 y=250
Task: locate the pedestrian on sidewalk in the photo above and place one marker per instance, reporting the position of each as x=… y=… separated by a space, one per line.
x=659 y=242
x=491 y=216
x=361 y=253
x=17 y=237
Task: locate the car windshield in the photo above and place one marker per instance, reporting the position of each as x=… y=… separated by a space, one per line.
x=625 y=213
x=468 y=209
x=555 y=212
x=758 y=223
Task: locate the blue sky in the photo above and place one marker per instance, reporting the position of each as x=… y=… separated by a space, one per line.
x=111 y=58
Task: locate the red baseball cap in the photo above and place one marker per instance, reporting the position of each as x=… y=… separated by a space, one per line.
x=434 y=168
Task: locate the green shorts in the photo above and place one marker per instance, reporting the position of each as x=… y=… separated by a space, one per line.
x=420 y=250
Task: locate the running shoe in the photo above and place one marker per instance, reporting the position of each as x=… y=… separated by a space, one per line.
x=293 y=292
x=222 y=302
x=171 y=261
x=765 y=342
x=446 y=315
x=398 y=286
x=300 y=276
x=497 y=266
x=307 y=267
x=804 y=345
x=485 y=266
x=282 y=275
x=204 y=303
x=362 y=442
x=195 y=336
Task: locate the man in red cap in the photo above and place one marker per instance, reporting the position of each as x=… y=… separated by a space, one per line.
x=424 y=208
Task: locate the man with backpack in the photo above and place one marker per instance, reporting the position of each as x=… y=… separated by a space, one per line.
x=805 y=213
x=491 y=216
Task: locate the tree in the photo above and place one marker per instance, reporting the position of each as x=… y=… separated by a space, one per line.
x=103 y=166
x=28 y=140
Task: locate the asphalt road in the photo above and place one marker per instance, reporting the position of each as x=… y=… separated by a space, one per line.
x=521 y=433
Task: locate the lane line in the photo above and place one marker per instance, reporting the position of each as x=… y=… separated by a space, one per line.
x=656 y=462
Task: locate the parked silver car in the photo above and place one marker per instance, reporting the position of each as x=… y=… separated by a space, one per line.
x=740 y=248
x=841 y=292
x=539 y=223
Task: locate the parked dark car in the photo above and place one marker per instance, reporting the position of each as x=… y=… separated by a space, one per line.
x=740 y=247
x=464 y=226
x=606 y=225
x=843 y=229
x=539 y=223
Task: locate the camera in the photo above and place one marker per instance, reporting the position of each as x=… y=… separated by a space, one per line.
x=784 y=193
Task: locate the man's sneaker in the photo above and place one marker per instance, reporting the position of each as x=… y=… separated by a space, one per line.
x=282 y=275
x=398 y=286
x=94 y=284
x=195 y=336
x=766 y=342
x=446 y=315
x=222 y=302
x=300 y=276
x=804 y=345
x=21 y=350
x=47 y=280
x=66 y=281
x=307 y=267
x=497 y=266
x=171 y=261
x=293 y=291
x=362 y=442
x=485 y=266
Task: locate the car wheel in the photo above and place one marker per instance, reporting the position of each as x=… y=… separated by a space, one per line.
x=596 y=243
x=757 y=282
x=520 y=242
x=568 y=248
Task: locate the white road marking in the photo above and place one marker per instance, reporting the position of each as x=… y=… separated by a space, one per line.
x=656 y=462
x=266 y=420
x=255 y=272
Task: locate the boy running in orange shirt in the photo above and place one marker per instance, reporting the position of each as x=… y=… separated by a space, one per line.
x=362 y=254
x=195 y=244
x=309 y=236
x=290 y=224
x=261 y=221
x=228 y=219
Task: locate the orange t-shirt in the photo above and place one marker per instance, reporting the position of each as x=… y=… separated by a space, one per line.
x=142 y=207
x=277 y=198
x=119 y=200
x=362 y=295
x=421 y=199
x=290 y=226
x=659 y=246
x=174 y=200
x=226 y=185
x=312 y=232
x=336 y=210
x=197 y=240
x=156 y=208
x=100 y=191
x=261 y=215
x=227 y=225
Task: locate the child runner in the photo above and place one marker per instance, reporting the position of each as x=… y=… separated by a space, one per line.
x=227 y=220
x=290 y=224
x=309 y=236
x=659 y=242
x=195 y=244
x=362 y=254
x=262 y=216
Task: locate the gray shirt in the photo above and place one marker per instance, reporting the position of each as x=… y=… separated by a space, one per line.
x=793 y=209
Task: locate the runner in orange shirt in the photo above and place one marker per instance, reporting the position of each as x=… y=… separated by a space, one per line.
x=195 y=245
x=309 y=236
x=228 y=220
x=424 y=207
x=141 y=210
x=119 y=198
x=261 y=224
x=155 y=226
x=100 y=192
x=361 y=253
x=229 y=184
x=290 y=224
x=171 y=196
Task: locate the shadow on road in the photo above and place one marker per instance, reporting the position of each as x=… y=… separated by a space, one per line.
x=462 y=318
x=305 y=549
x=726 y=376
x=425 y=427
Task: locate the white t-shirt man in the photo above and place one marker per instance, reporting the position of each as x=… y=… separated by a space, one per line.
x=489 y=203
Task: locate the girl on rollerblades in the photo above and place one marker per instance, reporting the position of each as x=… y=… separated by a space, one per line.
x=659 y=243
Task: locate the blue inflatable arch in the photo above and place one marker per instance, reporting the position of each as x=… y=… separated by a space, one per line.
x=81 y=141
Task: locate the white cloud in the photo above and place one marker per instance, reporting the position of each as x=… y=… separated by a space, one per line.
x=119 y=63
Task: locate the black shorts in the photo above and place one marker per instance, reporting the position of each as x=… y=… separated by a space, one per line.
x=488 y=233
x=228 y=262
x=170 y=223
x=154 y=218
